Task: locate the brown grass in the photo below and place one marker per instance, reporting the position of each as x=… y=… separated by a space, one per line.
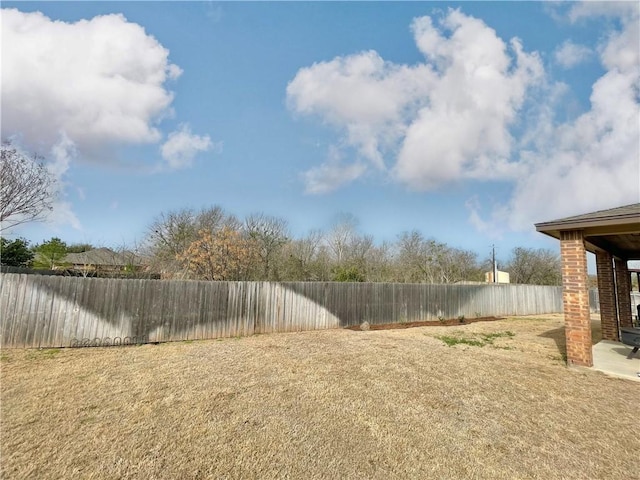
x=328 y=404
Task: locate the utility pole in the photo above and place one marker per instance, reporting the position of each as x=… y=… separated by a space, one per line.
x=494 y=264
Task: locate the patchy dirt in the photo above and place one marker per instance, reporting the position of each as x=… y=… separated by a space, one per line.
x=430 y=323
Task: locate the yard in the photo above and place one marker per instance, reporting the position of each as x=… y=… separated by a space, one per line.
x=498 y=402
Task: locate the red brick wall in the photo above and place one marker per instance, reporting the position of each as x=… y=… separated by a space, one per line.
x=575 y=295
x=607 y=296
x=623 y=287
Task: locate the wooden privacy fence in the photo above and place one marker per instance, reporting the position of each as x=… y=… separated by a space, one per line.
x=48 y=311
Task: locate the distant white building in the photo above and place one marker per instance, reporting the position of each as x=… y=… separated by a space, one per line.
x=501 y=277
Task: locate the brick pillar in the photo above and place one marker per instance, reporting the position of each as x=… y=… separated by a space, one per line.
x=575 y=296
x=607 y=296
x=623 y=289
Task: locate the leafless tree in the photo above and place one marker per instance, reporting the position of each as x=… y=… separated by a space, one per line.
x=170 y=235
x=341 y=235
x=534 y=266
x=305 y=259
x=413 y=258
x=456 y=265
x=360 y=248
x=351 y=250
x=380 y=263
x=427 y=260
x=26 y=191
x=268 y=234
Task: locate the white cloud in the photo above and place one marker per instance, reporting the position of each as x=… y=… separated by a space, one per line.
x=80 y=90
x=475 y=219
x=328 y=177
x=61 y=214
x=362 y=94
x=589 y=9
x=440 y=121
x=98 y=81
x=570 y=54
x=332 y=174
x=182 y=146
x=463 y=132
x=453 y=118
x=592 y=162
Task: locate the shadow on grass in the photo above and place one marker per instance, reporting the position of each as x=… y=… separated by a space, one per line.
x=558 y=336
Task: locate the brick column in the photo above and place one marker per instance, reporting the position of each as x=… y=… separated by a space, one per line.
x=575 y=296
x=623 y=289
x=607 y=296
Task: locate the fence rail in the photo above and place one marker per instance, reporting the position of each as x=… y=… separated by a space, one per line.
x=51 y=311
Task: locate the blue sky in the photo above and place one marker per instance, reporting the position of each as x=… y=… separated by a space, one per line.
x=468 y=121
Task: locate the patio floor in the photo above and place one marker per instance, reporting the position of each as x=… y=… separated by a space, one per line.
x=611 y=358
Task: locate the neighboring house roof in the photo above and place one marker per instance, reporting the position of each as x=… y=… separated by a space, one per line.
x=103 y=256
x=616 y=230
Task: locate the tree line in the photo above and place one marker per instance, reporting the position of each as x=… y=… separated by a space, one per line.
x=211 y=244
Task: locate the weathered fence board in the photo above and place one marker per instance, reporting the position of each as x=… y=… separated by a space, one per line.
x=54 y=311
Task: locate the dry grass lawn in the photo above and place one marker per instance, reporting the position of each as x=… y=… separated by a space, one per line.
x=328 y=404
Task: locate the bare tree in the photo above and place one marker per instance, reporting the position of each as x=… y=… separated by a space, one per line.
x=534 y=267
x=341 y=235
x=413 y=258
x=305 y=259
x=170 y=235
x=25 y=187
x=351 y=250
x=380 y=263
x=455 y=265
x=427 y=260
x=269 y=234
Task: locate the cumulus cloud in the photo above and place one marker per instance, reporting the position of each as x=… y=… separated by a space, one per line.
x=182 y=146
x=362 y=94
x=332 y=174
x=586 y=10
x=463 y=131
x=453 y=117
x=77 y=91
x=570 y=54
x=441 y=120
x=98 y=81
x=592 y=162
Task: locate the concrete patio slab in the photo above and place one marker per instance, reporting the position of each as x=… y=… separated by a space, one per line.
x=611 y=358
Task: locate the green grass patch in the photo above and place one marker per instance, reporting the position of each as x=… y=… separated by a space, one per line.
x=451 y=341
x=476 y=341
x=490 y=337
x=43 y=353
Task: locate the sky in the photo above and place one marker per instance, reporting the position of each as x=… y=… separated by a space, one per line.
x=467 y=121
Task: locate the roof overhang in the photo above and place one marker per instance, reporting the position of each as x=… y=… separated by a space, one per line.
x=616 y=231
